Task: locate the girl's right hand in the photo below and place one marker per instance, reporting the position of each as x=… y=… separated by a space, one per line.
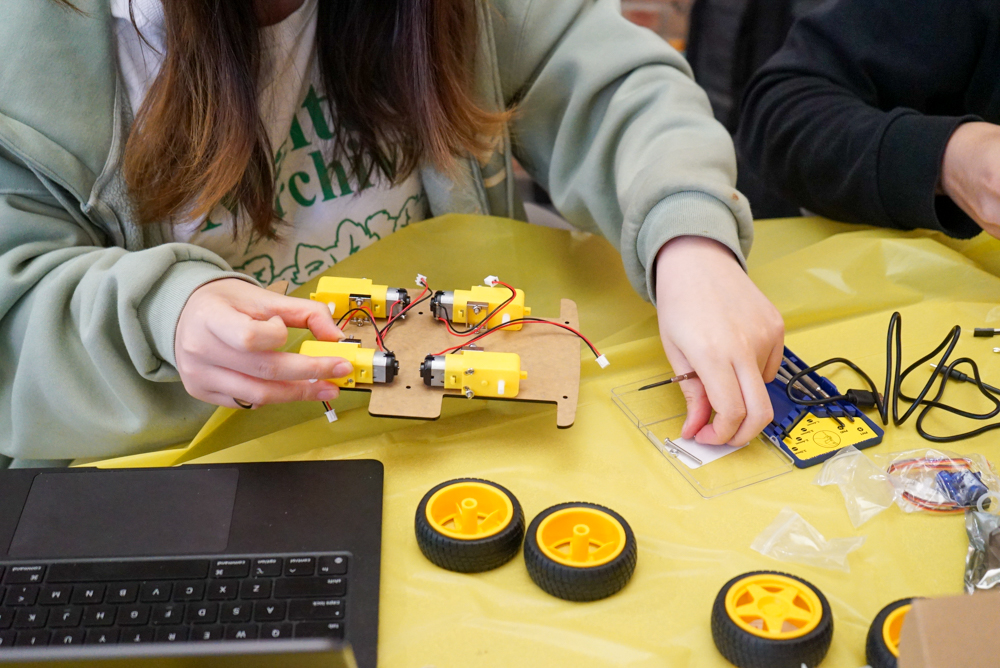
x=226 y=347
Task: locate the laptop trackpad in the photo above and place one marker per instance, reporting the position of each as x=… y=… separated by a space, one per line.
x=127 y=513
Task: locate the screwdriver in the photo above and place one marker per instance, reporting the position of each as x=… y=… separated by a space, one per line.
x=675 y=379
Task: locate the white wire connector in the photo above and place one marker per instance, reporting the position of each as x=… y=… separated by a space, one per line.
x=331 y=415
x=491 y=280
x=603 y=362
x=421 y=281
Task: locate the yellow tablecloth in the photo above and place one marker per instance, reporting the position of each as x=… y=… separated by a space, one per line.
x=836 y=286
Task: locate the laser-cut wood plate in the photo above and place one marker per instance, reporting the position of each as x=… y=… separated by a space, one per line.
x=550 y=355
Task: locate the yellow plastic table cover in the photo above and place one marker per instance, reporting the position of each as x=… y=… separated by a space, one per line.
x=836 y=286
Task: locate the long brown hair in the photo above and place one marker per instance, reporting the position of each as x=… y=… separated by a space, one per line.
x=398 y=75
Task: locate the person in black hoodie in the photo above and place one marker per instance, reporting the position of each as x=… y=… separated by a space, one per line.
x=884 y=112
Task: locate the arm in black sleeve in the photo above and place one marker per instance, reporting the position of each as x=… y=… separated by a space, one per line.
x=851 y=117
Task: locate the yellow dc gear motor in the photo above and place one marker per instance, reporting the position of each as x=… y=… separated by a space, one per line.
x=475 y=372
x=342 y=294
x=470 y=307
x=370 y=365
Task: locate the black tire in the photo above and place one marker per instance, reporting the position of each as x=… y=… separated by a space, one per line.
x=579 y=584
x=745 y=650
x=469 y=556
x=876 y=651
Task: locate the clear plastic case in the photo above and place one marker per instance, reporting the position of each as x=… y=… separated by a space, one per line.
x=659 y=414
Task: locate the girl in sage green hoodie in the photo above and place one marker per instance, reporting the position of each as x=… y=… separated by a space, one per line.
x=159 y=163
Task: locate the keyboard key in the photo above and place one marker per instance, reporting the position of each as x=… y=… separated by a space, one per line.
x=319 y=630
x=202 y=613
x=30 y=618
x=231 y=568
x=88 y=594
x=99 y=615
x=298 y=566
x=102 y=637
x=267 y=568
x=7 y=639
x=133 y=615
x=275 y=631
x=336 y=565
x=222 y=590
x=155 y=592
x=241 y=632
x=239 y=611
x=169 y=614
x=255 y=589
x=207 y=632
x=66 y=617
x=315 y=610
x=32 y=639
x=24 y=575
x=172 y=634
x=21 y=595
x=136 y=636
x=6 y=618
x=125 y=571
x=54 y=595
x=269 y=611
x=71 y=637
x=310 y=587
x=1 y=572
x=189 y=591
x=123 y=593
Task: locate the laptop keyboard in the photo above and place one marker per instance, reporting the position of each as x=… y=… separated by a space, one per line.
x=173 y=600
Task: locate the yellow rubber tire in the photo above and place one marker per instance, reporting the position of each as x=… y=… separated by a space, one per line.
x=882 y=646
x=768 y=619
x=494 y=540
x=605 y=559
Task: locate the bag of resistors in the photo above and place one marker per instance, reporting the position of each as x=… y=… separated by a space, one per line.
x=937 y=481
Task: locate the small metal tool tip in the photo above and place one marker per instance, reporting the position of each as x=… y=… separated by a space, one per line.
x=675 y=379
x=652 y=385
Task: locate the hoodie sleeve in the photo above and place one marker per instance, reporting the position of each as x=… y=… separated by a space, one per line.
x=87 y=331
x=850 y=119
x=611 y=123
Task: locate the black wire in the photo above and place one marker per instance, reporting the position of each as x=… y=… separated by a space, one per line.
x=513 y=294
x=894 y=378
x=385 y=330
x=379 y=334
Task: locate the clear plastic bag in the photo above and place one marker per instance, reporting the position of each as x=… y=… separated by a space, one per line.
x=982 y=563
x=791 y=538
x=938 y=481
x=866 y=488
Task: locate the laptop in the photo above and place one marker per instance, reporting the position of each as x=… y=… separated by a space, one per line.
x=302 y=653
x=253 y=558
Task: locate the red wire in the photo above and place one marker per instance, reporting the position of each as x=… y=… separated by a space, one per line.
x=408 y=306
x=371 y=317
x=524 y=322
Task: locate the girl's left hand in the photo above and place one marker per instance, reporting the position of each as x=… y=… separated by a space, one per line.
x=715 y=321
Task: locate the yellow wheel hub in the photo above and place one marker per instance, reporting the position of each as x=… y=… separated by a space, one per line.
x=580 y=537
x=891 y=628
x=773 y=606
x=469 y=510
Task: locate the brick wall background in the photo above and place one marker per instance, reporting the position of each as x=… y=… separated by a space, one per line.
x=668 y=18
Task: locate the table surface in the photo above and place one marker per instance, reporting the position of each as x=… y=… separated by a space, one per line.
x=836 y=286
